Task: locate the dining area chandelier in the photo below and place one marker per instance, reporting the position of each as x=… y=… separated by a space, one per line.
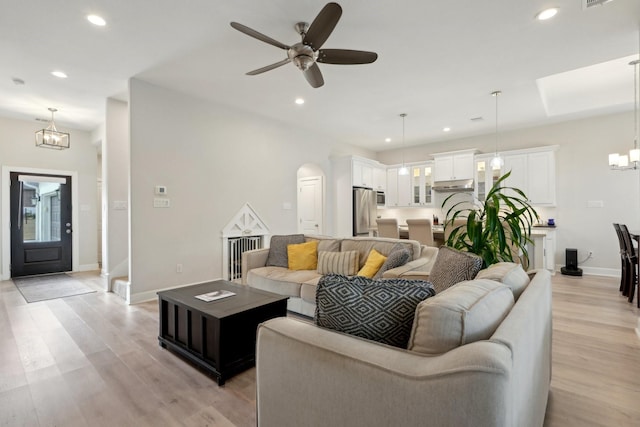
x=631 y=161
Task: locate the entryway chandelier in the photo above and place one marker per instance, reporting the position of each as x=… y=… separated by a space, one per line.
x=50 y=137
x=630 y=162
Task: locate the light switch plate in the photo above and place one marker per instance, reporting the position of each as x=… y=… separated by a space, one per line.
x=161 y=203
x=161 y=190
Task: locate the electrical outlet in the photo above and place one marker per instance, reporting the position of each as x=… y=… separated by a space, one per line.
x=178 y=268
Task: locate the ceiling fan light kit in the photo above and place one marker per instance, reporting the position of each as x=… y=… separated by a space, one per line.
x=306 y=54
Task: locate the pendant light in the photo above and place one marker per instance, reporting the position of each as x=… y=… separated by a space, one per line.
x=630 y=162
x=50 y=137
x=497 y=162
x=404 y=170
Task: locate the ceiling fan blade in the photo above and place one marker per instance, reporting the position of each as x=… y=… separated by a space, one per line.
x=321 y=27
x=314 y=76
x=256 y=35
x=269 y=67
x=346 y=57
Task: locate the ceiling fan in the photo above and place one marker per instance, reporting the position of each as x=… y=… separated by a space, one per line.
x=307 y=53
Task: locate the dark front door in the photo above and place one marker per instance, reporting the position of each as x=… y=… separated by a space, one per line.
x=40 y=224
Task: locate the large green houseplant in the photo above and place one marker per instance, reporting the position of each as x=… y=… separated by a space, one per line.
x=497 y=229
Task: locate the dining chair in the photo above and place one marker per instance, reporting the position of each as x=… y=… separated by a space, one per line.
x=420 y=230
x=448 y=227
x=623 y=259
x=388 y=227
x=632 y=257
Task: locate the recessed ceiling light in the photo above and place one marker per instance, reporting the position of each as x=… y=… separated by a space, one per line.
x=547 y=14
x=387 y=140
x=299 y=101
x=446 y=129
x=97 y=20
x=59 y=74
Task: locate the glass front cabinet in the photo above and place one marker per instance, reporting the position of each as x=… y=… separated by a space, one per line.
x=422 y=184
x=485 y=177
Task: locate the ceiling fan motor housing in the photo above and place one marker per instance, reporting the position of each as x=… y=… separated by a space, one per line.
x=302 y=55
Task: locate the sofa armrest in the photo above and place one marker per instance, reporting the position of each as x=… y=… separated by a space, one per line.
x=253 y=259
x=328 y=378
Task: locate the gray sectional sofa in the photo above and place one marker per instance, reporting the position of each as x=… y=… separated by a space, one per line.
x=300 y=285
x=311 y=376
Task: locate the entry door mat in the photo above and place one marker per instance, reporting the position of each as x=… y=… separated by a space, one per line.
x=51 y=286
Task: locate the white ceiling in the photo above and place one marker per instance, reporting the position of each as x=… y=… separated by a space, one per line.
x=438 y=62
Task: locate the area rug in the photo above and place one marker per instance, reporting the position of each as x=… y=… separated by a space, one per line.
x=51 y=286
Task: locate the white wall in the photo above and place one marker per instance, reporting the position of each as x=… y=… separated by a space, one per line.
x=18 y=150
x=582 y=175
x=213 y=159
x=115 y=190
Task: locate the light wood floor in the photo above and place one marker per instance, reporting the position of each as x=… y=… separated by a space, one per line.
x=92 y=360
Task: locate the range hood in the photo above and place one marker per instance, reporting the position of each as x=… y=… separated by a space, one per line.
x=453 y=186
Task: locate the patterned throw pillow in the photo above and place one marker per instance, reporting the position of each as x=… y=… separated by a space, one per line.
x=378 y=310
x=278 y=249
x=453 y=266
x=303 y=256
x=373 y=264
x=396 y=258
x=344 y=263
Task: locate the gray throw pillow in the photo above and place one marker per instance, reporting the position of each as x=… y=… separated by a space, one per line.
x=378 y=310
x=396 y=258
x=278 y=249
x=453 y=266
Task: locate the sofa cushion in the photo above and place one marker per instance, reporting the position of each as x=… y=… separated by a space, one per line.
x=383 y=245
x=279 y=280
x=303 y=256
x=396 y=258
x=453 y=266
x=308 y=289
x=345 y=263
x=508 y=273
x=325 y=243
x=379 y=310
x=466 y=312
x=374 y=261
x=278 y=249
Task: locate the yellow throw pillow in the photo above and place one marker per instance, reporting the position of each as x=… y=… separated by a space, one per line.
x=373 y=264
x=303 y=256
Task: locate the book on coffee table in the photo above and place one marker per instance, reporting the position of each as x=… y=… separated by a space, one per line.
x=215 y=295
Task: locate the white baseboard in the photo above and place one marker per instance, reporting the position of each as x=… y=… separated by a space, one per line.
x=87 y=267
x=136 y=298
x=638 y=328
x=596 y=271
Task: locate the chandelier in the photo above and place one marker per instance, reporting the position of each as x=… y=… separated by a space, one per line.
x=629 y=162
x=50 y=137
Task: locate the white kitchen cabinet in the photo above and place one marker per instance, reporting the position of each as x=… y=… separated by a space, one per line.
x=542 y=250
x=398 y=193
x=380 y=178
x=421 y=177
x=485 y=177
x=533 y=172
x=362 y=174
x=453 y=166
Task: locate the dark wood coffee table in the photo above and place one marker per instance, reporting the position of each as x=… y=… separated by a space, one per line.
x=218 y=336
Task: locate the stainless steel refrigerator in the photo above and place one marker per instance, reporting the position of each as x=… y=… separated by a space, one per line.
x=365 y=210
